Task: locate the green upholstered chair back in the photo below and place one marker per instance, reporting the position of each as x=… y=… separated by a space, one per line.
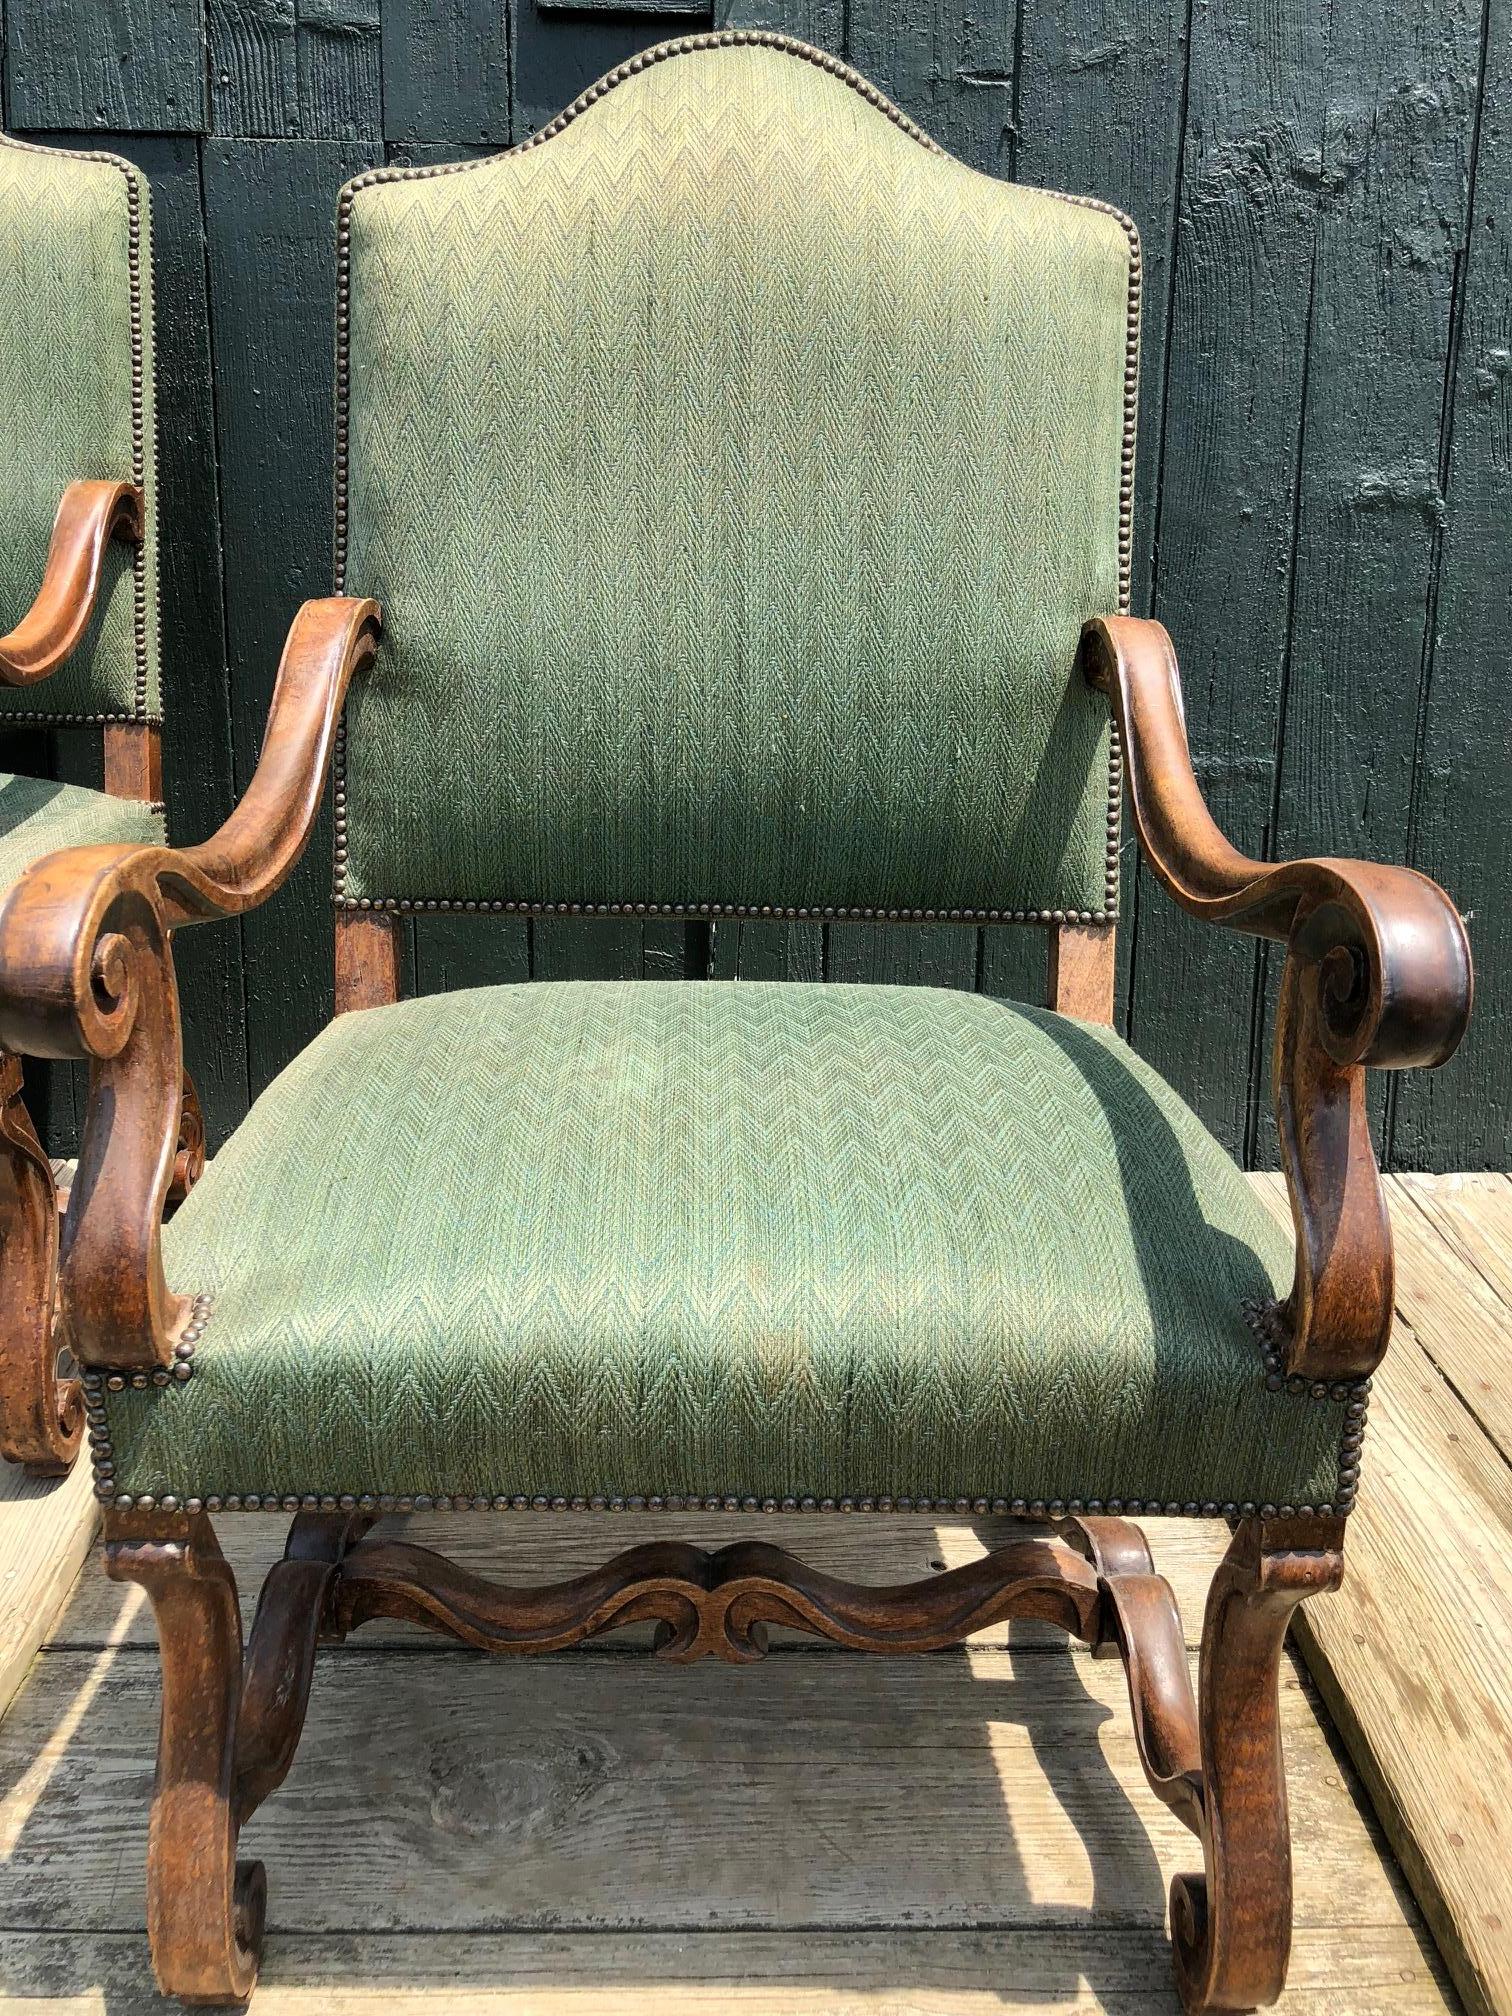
x=76 y=402
x=736 y=470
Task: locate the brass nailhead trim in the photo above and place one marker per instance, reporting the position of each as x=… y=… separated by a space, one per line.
x=1264 y=1318
x=686 y=45
x=404 y=906
x=139 y=424
x=98 y=1380
x=1031 y=1508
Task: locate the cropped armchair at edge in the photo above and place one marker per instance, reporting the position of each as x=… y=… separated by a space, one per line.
x=746 y=486
x=78 y=582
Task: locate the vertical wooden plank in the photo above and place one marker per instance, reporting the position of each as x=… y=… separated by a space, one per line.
x=675 y=951
x=947 y=65
x=468 y=950
x=446 y=71
x=1461 y=1117
x=555 y=56
x=1012 y=965
x=819 y=22
x=1100 y=97
x=296 y=68
x=913 y=955
x=741 y=949
x=1237 y=342
x=585 y=948
x=270 y=207
x=1393 y=170
x=92 y=66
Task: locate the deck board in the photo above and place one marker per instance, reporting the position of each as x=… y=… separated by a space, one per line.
x=1414 y=1653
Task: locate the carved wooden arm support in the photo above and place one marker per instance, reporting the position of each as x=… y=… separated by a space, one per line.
x=89 y=516
x=1377 y=973
x=86 y=970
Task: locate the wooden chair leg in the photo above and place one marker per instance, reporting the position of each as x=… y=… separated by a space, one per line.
x=1231 y=1926
x=204 y=1908
x=41 y=1417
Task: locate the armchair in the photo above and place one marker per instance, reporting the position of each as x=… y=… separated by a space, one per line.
x=76 y=414
x=761 y=571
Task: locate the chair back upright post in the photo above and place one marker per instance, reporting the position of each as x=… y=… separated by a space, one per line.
x=134 y=760
x=369 y=960
x=1080 y=968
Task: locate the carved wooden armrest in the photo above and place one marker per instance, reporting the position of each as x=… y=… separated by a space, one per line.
x=89 y=516
x=1377 y=973
x=86 y=970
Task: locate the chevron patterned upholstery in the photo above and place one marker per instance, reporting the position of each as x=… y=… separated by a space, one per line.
x=75 y=402
x=736 y=470
x=36 y=817
x=723 y=1241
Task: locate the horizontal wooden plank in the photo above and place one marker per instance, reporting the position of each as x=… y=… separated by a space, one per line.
x=46 y=1529
x=134 y=66
x=1414 y=1653
x=969 y=1790
x=1084 y=1970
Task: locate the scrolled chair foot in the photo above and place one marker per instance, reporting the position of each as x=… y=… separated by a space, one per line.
x=205 y=1909
x=1231 y=1926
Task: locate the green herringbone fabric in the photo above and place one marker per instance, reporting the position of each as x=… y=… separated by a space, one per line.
x=735 y=472
x=66 y=396
x=725 y=1238
x=37 y=818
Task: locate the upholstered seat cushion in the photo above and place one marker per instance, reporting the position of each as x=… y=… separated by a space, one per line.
x=37 y=816
x=724 y=1241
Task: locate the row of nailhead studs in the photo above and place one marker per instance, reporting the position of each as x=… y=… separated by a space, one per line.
x=686 y=45
x=406 y=905
x=138 y=435
x=97 y=1381
x=1032 y=1508
x=138 y=432
x=1264 y=1318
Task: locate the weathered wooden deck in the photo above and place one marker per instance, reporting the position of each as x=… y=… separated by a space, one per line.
x=969 y=1833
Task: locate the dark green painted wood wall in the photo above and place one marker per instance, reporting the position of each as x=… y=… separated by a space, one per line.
x=1325 y=472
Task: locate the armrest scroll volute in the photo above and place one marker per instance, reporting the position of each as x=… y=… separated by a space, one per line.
x=86 y=971
x=1377 y=973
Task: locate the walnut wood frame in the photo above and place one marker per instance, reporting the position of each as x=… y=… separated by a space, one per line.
x=1377 y=973
x=41 y=1416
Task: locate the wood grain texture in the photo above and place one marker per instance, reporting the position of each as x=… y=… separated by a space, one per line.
x=446 y=72
x=1225 y=513
x=270 y=207
x=745 y=1797
x=106 y=65
x=1067 y=1969
x=1392 y=173
x=797 y=1845
x=47 y=1527
x=1465 y=746
x=1414 y=1662
x=296 y=69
